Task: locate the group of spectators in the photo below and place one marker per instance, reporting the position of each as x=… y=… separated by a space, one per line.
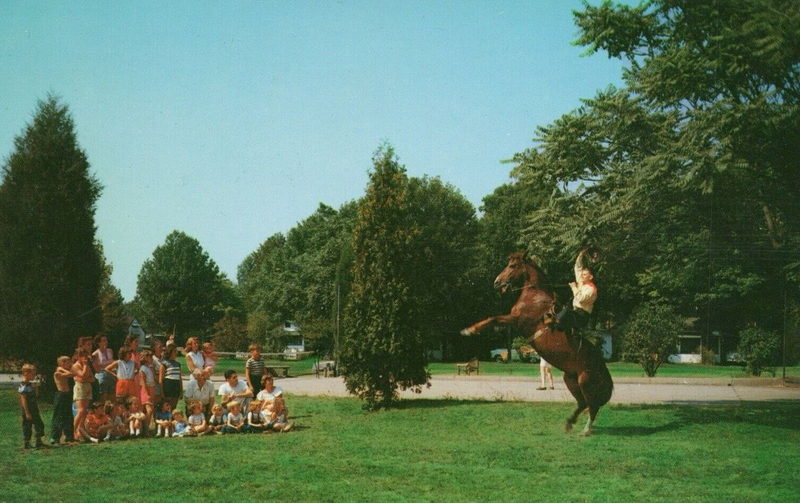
x=100 y=398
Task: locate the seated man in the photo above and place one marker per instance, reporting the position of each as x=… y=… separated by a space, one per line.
x=234 y=390
x=584 y=294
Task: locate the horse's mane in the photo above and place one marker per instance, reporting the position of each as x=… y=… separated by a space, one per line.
x=543 y=283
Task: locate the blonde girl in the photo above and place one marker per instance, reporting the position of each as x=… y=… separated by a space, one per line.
x=197 y=420
x=135 y=417
x=179 y=425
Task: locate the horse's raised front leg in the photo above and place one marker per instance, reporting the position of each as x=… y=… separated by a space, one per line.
x=493 y=321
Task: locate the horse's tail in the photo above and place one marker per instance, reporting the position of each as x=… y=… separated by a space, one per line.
x=603 y=384
x=606 y=385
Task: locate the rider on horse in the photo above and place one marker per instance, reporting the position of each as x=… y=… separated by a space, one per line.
x=584 y=293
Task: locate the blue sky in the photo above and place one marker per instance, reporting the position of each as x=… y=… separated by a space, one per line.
x=232 y=121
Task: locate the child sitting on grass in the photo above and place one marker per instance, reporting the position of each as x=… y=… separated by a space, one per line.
x=179 y=425
x=164 y=419
x=235 y=421
x=135 y=417
x=97 y=425
x=255 y=421
x=217 y=419
x=29 y=403
x=276 y=415
x=197 y=421
x=119 y=429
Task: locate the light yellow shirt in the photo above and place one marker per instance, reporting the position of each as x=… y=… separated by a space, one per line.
x=583 y=294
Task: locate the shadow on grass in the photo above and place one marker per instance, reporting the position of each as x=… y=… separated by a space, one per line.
x=438 y=403
x=775 y=414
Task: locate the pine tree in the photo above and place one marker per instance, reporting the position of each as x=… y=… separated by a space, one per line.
x=50 y=269
x=383 y=348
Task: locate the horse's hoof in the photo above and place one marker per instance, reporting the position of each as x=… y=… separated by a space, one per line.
x=467 y=332
x=568 y=427
x=586 y=433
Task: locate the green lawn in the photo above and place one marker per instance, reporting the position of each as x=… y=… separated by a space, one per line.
x=433 y=450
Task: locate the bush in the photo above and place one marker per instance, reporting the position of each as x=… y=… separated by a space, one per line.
x=758 y=347
x=651 y=335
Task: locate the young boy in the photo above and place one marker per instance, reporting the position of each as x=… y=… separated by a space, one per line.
x=254 y=368
x=62 y=403
x=28 y=394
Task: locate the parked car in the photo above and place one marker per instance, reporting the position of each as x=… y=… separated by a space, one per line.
x=523 y=354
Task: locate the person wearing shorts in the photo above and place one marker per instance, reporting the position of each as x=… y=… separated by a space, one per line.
x=545 y=369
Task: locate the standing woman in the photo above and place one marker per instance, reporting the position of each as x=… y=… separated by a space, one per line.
x=102 y=357
x=82 y=392
x=170 y=376
x=194 y=356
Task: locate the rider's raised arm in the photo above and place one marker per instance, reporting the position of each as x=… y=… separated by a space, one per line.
x=579 y=269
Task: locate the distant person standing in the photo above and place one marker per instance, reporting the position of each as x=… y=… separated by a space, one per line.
x=545 y=370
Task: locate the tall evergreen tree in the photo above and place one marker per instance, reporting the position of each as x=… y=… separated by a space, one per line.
x=50 y=268
x=383 y=348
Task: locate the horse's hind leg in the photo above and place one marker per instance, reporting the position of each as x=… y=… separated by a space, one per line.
x=587 y=430
x=588 y=383
x=571 y=380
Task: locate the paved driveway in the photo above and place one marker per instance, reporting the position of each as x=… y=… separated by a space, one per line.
x=626 y=390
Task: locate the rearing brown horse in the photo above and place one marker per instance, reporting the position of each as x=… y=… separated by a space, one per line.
x=585 y=372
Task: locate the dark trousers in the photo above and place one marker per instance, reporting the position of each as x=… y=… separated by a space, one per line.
x=62 y=417
x=572 y=319
x=35 y=422
x=255 y=383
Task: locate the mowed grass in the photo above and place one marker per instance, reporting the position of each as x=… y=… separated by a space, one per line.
x=433 y=450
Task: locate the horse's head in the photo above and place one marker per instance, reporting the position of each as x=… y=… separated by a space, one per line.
x=515 y=274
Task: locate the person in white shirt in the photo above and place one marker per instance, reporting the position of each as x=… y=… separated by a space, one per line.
x=235 y=390
x=584 y=294
x=199 y=389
